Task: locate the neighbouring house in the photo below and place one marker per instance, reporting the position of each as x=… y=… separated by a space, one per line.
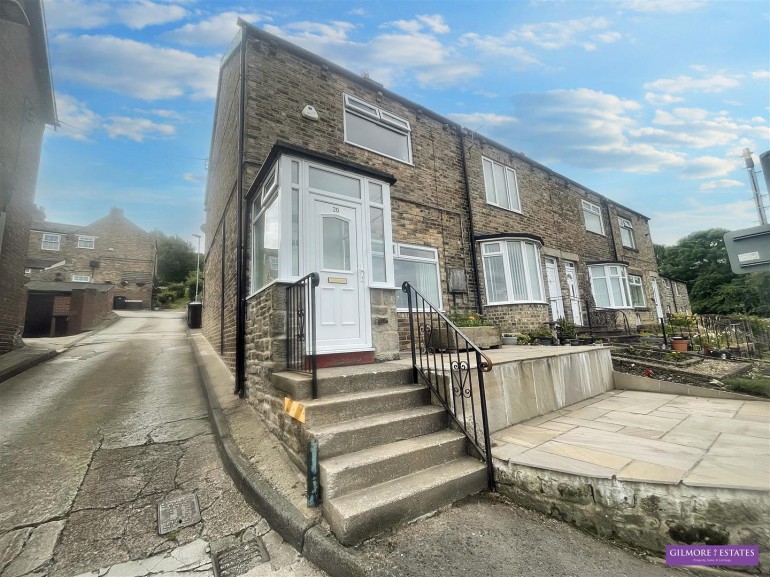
x=112 y=255
x=26 y=105
x=314 y=169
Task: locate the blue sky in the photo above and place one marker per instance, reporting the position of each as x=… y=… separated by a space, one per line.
x=649 y=102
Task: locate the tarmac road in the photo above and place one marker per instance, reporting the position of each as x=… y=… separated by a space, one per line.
x=93 y=440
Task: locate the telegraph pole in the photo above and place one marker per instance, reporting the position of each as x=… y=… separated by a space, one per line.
x=755 y=186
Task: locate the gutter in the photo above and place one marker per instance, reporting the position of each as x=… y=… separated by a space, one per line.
x=472 y=231
x=240 y=270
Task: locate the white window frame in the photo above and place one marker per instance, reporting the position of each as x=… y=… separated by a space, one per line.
x=269 y=195
x=511 y=186
x=590 y=207
x=380 y=117
x=622 y=274
x=81 y=278
x=434 y=260
x=632 y=281
x=91 y=239
x=628 y=228
x=51 y=239
x=504 y=248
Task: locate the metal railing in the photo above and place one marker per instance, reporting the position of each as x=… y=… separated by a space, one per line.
x=720 y=336
x=600 y=319
x=300 y=328
x=453 y=367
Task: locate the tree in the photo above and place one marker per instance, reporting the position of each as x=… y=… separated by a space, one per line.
x=700 y=260
x=176 y=257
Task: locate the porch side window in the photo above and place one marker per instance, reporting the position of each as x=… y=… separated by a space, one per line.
x=266 y=235
x=637 y=291
x=512 y=272
x=593 y=217
x=377 y=231
x=627 y=233
x=51 y=241
x=378 y=130
x=501 y=186
x=419 y=266
x=609 y=284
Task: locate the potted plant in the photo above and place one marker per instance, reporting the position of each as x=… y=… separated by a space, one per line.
x=510 y=339
x=682 y=321
x=480 y=331
x=523 y=338
x=567 y=332
x=541 y=335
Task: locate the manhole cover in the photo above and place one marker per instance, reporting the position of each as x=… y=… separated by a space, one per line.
x=178 y=512
x=240 y=559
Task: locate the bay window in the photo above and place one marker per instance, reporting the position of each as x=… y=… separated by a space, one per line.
x=609 y=284
x=637 y=290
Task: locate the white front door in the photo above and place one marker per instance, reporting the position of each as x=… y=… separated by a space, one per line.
x=656 y=298
x=337 y=252
x=574 y=292
x=554 y=289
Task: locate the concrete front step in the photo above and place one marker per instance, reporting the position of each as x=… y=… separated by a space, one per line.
x=341 y=380
x=366 y=432
x=354 y=471
x=361 y=514
x=338 y=408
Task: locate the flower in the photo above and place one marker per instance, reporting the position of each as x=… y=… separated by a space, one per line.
x=647 y=373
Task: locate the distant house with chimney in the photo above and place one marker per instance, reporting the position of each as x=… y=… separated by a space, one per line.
x=26 y=106
x=112 y=256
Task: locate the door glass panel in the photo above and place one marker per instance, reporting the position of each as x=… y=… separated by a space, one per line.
x=335 y=183
x=375 y=193
x=336 y=243
x=377 y=224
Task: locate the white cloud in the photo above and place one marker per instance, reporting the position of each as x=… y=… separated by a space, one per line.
x=517 y=57
x=723 y=183
x=135 y=69
x=478 y=120
x=761 y=74
x=662 y=99
x=708 y=167
x=390 y=58
x=140 y=14
x=357 y=12
x=666 y=227
x=194 y=177
x=77 y=120
x=218 y=30
x=435 y=23
x=665 y=6
x=135 y=14
x=164 y=113
x=136 y=129
x=682 y=84
x=545 y=35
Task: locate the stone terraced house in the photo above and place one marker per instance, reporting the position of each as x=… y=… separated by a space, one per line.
x=340 y=176
x=315 y=170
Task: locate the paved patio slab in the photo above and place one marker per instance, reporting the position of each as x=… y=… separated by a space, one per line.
x=649 y=437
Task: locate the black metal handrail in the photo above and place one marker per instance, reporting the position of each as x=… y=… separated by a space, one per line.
x=300 y=328
x=446 y=360
x=605 y=319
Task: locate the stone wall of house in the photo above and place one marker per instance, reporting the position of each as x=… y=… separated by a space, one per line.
x=551 y=209
x=265 y=354
x=385 y=336
x=21 y=137
x=674 y=296
x=219 y=300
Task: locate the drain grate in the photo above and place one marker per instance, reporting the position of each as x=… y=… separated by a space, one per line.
x=178 y=512
x=240 y=559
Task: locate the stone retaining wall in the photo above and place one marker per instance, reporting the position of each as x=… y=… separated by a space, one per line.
x=646 y=515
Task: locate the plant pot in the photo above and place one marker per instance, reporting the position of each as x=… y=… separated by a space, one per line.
x=482 y=337
x=510 y=340
x=680 y=345
x=545 y=341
